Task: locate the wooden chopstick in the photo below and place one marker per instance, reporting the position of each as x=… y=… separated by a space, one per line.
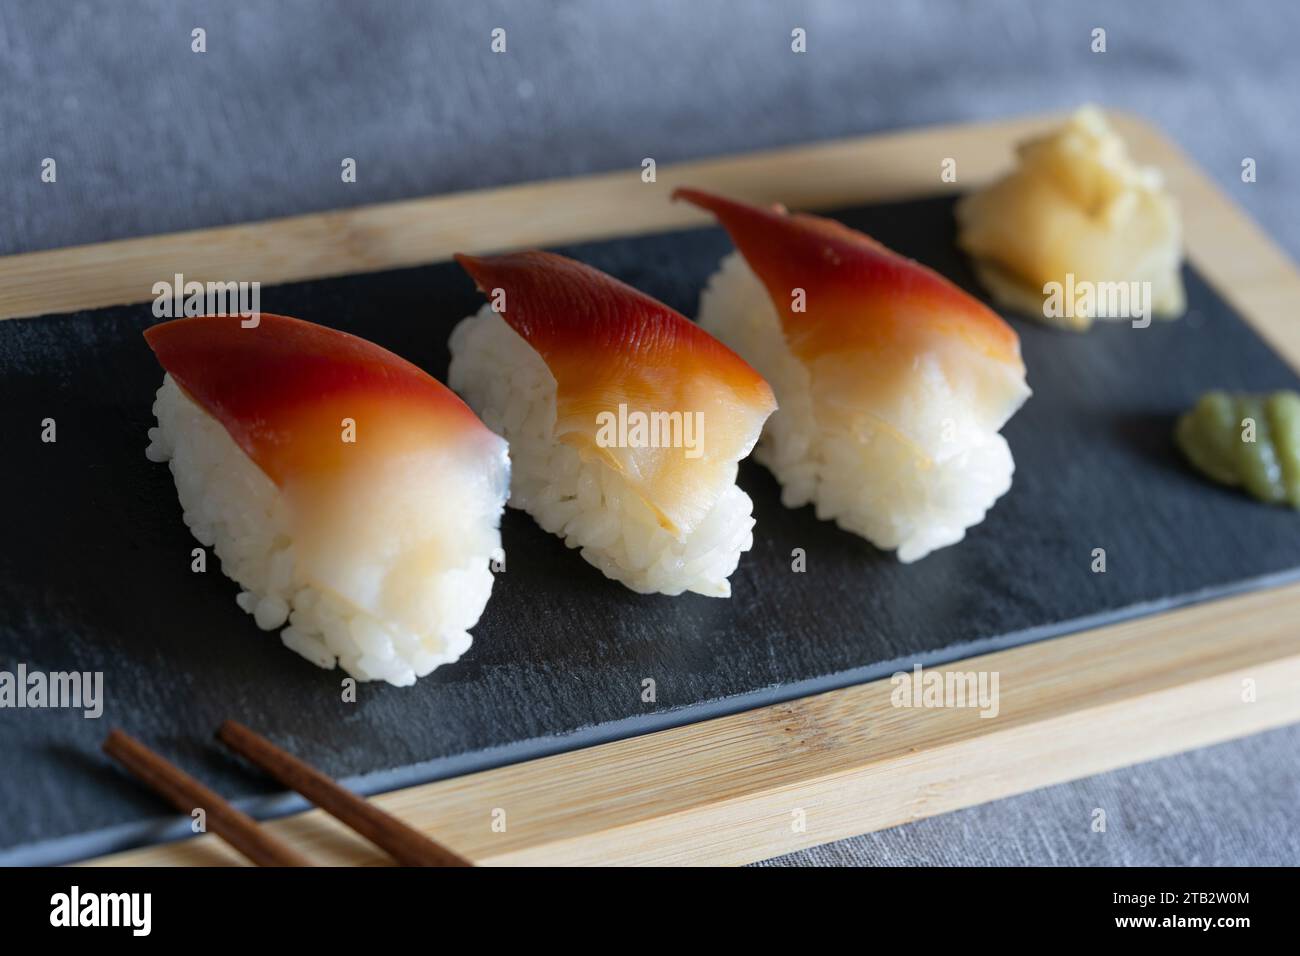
x=404 y=843
x=187 y=794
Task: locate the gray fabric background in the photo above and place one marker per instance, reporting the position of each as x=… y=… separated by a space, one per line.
x=150 y=137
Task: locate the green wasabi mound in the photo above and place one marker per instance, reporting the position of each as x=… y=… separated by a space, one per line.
x=1252 y=441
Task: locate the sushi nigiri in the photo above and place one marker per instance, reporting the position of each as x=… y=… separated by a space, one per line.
x=893 y=382
x=625 y=420
x=346 y=492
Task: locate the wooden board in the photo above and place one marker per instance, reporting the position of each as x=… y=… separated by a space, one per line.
x=725 y=790
x=728 y=791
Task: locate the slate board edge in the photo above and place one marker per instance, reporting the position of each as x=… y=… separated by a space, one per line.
x=169 y=829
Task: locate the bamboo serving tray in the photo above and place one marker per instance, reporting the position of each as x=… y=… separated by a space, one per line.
x=772 y=780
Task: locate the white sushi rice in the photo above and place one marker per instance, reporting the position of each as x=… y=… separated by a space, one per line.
x=587 y=503
x=865 y=478
x=231 y=506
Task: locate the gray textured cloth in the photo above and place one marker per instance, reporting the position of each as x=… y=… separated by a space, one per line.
x=1234 y=804
x=151 y=137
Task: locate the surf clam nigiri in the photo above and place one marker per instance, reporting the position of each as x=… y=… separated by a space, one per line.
x=346 y=491
x=893 y=383
x=625 y=420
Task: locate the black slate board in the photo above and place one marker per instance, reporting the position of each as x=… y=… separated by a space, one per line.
x=95 y=568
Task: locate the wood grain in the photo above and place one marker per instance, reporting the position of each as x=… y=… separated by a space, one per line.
x=405 y=844
x=187 y=795
x=727 y=790
x=413 y=232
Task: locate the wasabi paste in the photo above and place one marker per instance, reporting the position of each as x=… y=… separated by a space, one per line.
x=1248 y=440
